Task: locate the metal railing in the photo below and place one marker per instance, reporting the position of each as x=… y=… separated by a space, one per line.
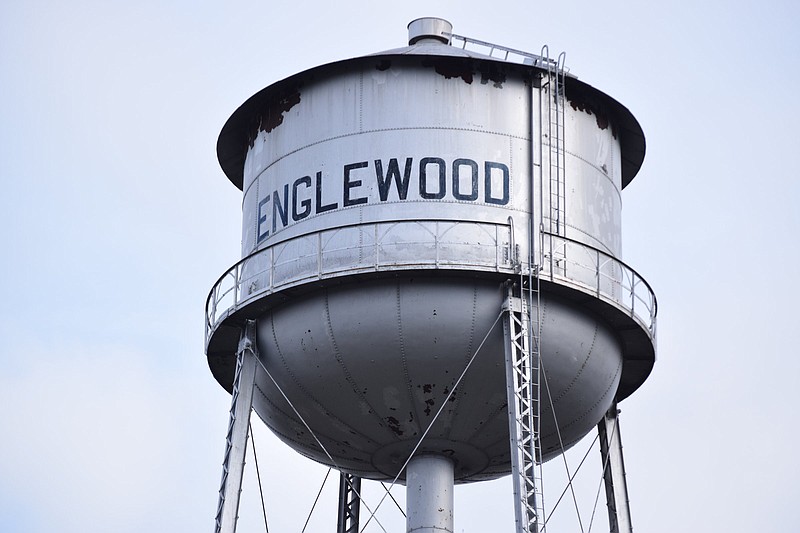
x=591 y=270
x=362 y=248
x=502 y=52
x=409 y=245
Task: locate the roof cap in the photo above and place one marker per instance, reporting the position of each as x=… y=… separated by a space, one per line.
x=429 y=28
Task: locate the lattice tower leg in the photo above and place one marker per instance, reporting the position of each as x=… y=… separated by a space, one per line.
x=619 y=511
x=349 y=503
x=522 y=383
x=236 y=439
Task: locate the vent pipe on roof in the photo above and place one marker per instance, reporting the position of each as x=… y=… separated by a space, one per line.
x=430 y=29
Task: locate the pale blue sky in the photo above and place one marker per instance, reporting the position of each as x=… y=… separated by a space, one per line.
x=116 y=221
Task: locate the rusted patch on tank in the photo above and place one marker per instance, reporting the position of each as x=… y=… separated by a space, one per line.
x=446 y=391
x=394 y=425
x=601 y=118
x=428 y=404
x=491 y=73
x=451 y=68
x=383 y=65
x=272 y=116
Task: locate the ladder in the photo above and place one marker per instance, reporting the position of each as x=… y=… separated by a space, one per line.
x=521 y=329
x=552 y=135
x=522 y=316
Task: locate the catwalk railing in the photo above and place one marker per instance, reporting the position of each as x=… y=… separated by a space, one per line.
x=425 y=245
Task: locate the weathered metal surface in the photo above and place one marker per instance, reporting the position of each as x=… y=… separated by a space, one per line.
x=245 y=121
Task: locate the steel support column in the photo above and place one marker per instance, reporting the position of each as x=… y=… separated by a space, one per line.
x=522 y=383
x=236 y=440
x=349 y=503
x=619 y=511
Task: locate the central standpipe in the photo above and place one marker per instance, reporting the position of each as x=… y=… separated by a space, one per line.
x=429 y=494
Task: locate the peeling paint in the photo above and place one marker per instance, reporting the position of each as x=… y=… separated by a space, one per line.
x=272 y=116
x=490 y=73
x=394 y=425
x=600 y=117
x=451 y=68
x=429 y=403
x=446 y=391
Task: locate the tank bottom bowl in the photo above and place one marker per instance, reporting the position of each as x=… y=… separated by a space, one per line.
x=369 y=365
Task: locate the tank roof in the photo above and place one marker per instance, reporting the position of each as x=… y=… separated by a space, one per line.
x=235 y=135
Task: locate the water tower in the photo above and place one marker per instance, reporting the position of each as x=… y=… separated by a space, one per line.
x=431 y=287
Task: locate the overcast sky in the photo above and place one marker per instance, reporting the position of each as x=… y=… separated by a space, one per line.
x=117 y=220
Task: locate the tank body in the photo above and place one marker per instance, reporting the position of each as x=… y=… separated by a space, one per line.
x=387 y=199
x=401 y=140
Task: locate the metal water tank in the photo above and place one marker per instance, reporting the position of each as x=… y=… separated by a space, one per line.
x=387 y=199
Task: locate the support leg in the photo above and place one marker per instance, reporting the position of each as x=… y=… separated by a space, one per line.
x=349 y=503
x=522 y=383
x=619 y=511
x=236 y=440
